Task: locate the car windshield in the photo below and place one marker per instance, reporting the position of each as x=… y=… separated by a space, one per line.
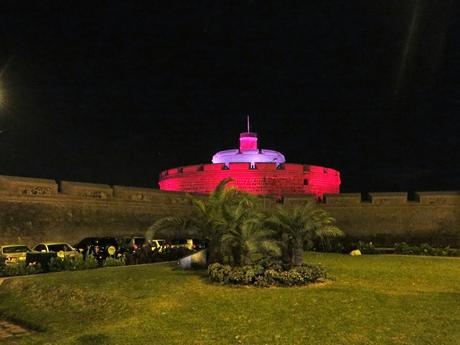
x=15 y=249
x=108 y=241
x=58 y=247
x=156 y=243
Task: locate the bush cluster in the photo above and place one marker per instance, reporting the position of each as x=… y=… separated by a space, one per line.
x=57 y=264
x=113 y=262
x=18 y=270
x=264 y=274
x=347 y=245
x=425 y=249
x=72 y=263
x=367 y=247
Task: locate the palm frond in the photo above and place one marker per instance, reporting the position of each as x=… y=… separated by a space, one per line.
x=171 y=227
x=329 y=231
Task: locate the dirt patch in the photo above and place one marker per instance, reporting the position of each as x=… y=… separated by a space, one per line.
x=10 y=330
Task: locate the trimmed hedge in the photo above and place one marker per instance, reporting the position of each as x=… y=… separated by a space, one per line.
x=425 y=249
x=72 y=263
x=347 y=245
x=264 y=274
x=57 y=264
x=18 y=270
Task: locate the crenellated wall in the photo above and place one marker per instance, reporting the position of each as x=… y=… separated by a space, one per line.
x=386 y=218
x=33 y=210
x=264 y=178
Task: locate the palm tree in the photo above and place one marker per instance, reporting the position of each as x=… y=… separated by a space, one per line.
x=245 y=233
x=298 y=225
x=205 y=221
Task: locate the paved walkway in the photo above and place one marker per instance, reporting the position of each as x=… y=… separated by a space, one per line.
x=8 y=330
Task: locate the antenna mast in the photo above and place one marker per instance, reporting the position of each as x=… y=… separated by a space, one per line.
x=248 y=124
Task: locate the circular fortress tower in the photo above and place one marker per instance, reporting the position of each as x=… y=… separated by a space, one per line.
x=253 y=170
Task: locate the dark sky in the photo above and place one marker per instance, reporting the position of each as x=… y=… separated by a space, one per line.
x=116 y=91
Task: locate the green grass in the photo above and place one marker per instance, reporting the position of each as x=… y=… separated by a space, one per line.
x=371 y=300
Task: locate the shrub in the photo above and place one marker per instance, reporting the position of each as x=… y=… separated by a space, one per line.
x=403 y=248
x=90 y=262
x=77 y=263
x=261 y=281
x=425 y=249
x=218 y=272
x=18 y=270
x=367 y=247
x=272 y=263
x=312 y=273
x=111 y=262
x=58 y=264
x=266 y=274
x=236 y=275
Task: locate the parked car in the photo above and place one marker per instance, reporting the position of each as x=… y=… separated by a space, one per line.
x=39 y=258
x=104 y=246
x=186 y=243
x=192 y=244
x=198 y=244
x=62 y=249
x=158 y=245
x=130 y=244
x=13 y=254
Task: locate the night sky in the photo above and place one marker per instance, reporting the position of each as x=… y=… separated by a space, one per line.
x=116 y=91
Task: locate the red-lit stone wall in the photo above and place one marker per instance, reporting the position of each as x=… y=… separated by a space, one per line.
x=265 y=178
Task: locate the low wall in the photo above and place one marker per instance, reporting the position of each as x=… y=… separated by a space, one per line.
x=34 y=210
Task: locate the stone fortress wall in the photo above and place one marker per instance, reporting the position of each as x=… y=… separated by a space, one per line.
x=34 y=210
x=263 y=178
x=386 y=218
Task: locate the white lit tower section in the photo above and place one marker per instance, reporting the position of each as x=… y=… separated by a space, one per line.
x=248 y=152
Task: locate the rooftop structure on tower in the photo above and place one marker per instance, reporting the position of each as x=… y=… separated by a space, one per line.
x=248 y=152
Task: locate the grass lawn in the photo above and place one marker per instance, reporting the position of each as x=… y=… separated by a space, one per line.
x=371 y=300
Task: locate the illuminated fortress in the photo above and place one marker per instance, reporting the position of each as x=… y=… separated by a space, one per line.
x=253 y=170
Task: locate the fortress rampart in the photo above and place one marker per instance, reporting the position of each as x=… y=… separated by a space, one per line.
x=260 y=178
x=33 y=210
